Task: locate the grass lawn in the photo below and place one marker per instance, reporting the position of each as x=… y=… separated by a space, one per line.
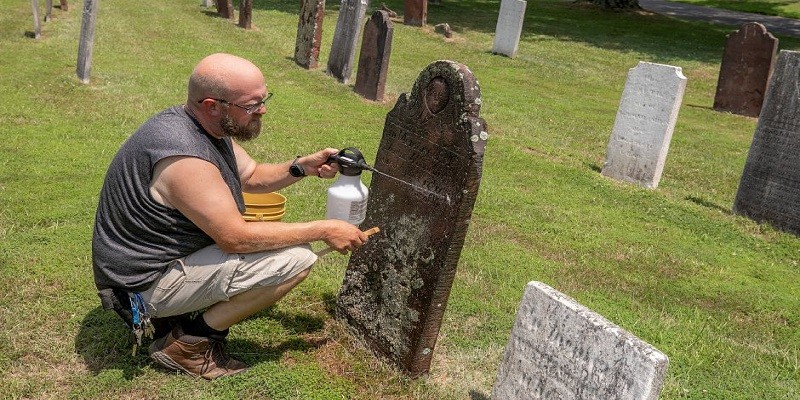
x=781 y=8
x=717 y=293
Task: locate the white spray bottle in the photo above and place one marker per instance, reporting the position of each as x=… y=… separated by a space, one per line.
x=347 y=197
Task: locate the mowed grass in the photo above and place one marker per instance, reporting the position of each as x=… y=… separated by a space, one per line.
x=717 y=293
x=781 y=8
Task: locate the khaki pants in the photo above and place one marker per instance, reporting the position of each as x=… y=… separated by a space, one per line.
x=209 y=276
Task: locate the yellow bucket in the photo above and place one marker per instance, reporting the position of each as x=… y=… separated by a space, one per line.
x=264 y=206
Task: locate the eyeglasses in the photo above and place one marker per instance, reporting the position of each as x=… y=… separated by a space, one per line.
x=249 y=108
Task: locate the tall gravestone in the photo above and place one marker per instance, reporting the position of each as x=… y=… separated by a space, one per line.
x=560 y=349
x=645 y=121
x=309 y=33
x=509 y=27
x=769 y=190
x=373 y=61
x=345 y=39
x=396 y=286
x=744 y=73
x=415 y=12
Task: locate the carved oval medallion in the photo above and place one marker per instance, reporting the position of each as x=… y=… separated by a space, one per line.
x=437 y=95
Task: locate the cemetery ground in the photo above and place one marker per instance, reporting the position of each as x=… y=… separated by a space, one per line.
x=717 y=293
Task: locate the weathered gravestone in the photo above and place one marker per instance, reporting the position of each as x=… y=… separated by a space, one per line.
x=37 y=26
x=509 y=27
x=560 y=349
x=744 y=73
x=645 y=120
x=246 y=14
x=415 y=12
x=345 y=39
x=309 y=33
x=396 y=286
x=770 y=186
x=373 y=61
x=225 y=8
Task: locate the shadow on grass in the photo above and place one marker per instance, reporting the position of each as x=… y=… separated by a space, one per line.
x=103 y=341
x=706 y=203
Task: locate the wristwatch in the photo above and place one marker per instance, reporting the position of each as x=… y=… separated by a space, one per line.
x=296 y=170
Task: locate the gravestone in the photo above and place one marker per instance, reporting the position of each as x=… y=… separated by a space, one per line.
x=509 y=27
x=415 y=12
x=769 y=190
x=373 y=61
x=309 y=33
x=645 y=120
x=396 y=286
x=225 y=8
x=345 y=39
x=246 y=14
x=560 y=349
x=744 y=73
x=37 y=26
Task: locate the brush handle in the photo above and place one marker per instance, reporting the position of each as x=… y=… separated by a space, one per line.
x=369 y=232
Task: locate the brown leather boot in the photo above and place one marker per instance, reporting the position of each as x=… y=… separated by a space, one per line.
x=195 y=355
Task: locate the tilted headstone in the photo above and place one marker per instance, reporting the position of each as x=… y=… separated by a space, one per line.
x=309 y=33
x=560 y=349
x=744 y=73
x=396 y=286
x=373 y=61
x=345 y=39
x=769 y=190
x=509 y=27
x=645 y=120
x=415 y=12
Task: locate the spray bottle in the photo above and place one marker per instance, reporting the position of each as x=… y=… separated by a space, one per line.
x=347 y=197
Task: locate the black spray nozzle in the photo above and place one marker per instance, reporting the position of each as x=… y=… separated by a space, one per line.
x=351 y=161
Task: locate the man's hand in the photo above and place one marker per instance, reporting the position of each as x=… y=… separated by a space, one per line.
x=343 y=236
x=315 y=164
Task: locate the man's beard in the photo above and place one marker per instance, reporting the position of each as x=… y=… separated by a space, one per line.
x=238 y=132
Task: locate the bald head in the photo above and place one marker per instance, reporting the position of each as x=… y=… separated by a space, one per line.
x=223 y=76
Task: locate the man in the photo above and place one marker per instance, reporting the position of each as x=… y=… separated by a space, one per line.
x=169 y=229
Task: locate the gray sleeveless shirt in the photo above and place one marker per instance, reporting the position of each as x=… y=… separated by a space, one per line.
x=135 y=237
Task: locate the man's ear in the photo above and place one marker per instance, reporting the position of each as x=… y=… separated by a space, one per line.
x=211 y=107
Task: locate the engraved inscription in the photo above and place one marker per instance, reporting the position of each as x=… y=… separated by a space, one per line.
x=645 y=120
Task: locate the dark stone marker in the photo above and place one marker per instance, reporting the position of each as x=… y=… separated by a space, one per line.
x=225 y=8
x=744 y=73
x=396 y=286
x=373 y=62
x=415 y=12
x=309 y=33
x=345 y=39
x=246 y=14
x=769 y=190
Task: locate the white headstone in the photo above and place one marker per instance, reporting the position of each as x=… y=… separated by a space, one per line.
x=560 y=349
x=509 y=27
x=645 y=120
